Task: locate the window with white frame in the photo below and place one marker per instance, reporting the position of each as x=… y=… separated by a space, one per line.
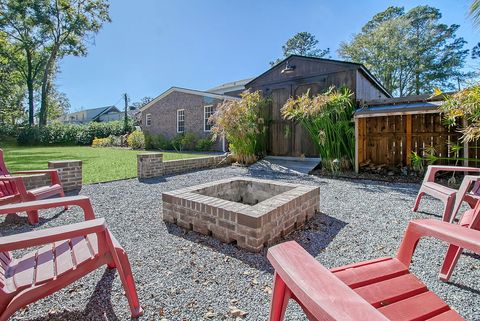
x=207 y=112
x=180 y=120
x=148 y=119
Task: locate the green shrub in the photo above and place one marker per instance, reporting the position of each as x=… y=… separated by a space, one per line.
x=184 y=141
x=69 y=134
x=204 y=144
x=8 y=130
x=136 y=140
x=157 y=142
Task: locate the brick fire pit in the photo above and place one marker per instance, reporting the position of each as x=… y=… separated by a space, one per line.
x=251 y=212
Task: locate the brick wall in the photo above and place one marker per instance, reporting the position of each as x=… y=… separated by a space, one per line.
x=70 y=173
x=37 y=180
x=149 y=165
x=185 y=165
x=164 y=116
x=152 y=165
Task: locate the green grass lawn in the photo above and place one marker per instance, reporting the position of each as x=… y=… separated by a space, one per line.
x=99 y=164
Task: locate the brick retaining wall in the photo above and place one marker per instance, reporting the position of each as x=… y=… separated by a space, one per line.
x=69 y=171
x=37 y=180
x=152 y=164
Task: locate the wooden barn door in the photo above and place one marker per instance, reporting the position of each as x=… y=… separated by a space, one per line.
x=280 y=129
x=302 y=142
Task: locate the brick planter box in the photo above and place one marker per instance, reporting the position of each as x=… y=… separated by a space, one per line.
x=251 y=212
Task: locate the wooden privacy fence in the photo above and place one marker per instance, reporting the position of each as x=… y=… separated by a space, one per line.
x=391 y=139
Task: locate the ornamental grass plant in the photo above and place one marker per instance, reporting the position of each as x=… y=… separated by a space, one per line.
x=328 y=119
x=244 y=124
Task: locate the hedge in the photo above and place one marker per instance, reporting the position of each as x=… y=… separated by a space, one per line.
x=69 y=134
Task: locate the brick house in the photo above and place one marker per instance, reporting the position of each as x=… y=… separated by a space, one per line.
x=181 y=110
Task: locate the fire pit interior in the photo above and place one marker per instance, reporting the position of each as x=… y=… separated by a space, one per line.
x=244 y=191
x=251 y=212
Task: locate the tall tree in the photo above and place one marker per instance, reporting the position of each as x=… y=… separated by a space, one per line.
x=410 y=52
x=475 y=12
x=23 y=44
x=12 y=90
x=303 y=44
x=67 y=25
x=58 y=103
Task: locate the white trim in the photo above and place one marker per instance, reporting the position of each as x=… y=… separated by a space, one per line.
x=178 y=110
x=204 y=120
x=186 y=91
x=147 y=118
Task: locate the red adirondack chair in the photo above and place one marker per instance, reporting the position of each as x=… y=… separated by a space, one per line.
x=12 y=188
x=380 y=289
x=449 y=196
x=67 y=254
x=470 y=219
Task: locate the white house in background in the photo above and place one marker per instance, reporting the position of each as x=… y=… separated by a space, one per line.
x=101 y=114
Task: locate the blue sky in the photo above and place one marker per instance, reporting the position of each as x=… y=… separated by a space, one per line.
x=152 y=45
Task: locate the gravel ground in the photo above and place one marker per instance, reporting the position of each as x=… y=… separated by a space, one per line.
x=186 y=276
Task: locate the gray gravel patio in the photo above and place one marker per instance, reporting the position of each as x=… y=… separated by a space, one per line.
x=186 y=276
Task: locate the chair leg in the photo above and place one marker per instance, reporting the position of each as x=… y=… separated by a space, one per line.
x=32 y=217
x=447 y=210
x=280 y=297
x=417 y=200
x=451 y=259
x=62 y=194
x=128 y=282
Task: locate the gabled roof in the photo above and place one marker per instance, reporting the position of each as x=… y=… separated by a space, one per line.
x=105 y=111
x=186 y=91
x=361 y=67
x=90 y=114
x=230 y=86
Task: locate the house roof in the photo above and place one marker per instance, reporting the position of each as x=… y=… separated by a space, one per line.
x=187 y=91
x=362 y=68
x=92 y=113
x=421 y=104
x=230 y=86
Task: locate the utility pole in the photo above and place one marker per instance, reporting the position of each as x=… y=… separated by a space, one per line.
x=125 y=121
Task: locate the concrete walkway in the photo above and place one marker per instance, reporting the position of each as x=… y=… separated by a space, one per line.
x=287 y=165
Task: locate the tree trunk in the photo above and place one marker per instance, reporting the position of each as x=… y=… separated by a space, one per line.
x=31 y=106
x=30 y=80
x=46 y=87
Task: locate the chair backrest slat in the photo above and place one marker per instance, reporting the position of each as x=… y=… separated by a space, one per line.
x=6 y=188
x=476 y=188
x=3 y=167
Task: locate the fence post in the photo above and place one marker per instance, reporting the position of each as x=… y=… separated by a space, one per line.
x=408 y=140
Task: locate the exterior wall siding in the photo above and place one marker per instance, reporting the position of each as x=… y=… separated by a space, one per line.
x=365 y=90
x=164 y=116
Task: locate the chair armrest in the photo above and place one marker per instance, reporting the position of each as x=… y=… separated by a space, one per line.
x=50 y=235
x=81 y=201
x=52 y=172
x=451 y=233
x=317 y=289
x=466 y=185
x=433 y=169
